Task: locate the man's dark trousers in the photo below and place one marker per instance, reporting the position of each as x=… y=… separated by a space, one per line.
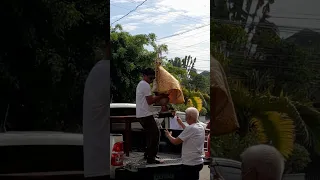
x=152 y=134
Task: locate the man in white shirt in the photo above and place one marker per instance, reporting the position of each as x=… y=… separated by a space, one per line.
x=262 y=162
x=174 y=125
x=144 y=101
x=192 y=139
x=96 y=121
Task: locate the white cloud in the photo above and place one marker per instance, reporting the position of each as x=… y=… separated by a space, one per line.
x=180 y=16
x=162 y=18
x=198 y=8
x=126 y=1
x=137 y=16
x=130 y=26
x=154 y=16
x=115 y=17
x=195 y=43
x=166 y=11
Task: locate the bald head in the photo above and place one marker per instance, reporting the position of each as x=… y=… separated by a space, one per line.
x=192 y=115
x=262 y=162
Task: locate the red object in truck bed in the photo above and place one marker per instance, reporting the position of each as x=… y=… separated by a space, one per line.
x=207 y=153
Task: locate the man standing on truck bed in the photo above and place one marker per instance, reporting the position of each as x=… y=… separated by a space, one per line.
x=144 y=101
x=192 y=139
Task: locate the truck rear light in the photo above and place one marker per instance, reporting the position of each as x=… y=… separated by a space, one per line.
x=207 y=153
x=117 y=154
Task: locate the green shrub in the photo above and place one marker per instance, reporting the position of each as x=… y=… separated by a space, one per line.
x=203 y=111
x=298 y=161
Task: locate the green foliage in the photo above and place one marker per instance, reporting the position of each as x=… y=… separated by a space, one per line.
x=234 y=35
x=311 y=117
x=194 y=84
x=203 y=112
x=276 y=67
x=183 y=70
x=179 y=73
x=287 y=67
x=298 y=161
x=180 y=107
x=48 y=48
x=129 y=57
x=275 y=128
x=186 y=63
x=232 y=145
x=200 y=83
x=247 y=105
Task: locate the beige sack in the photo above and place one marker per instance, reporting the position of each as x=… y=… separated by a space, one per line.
x=225 y=120
x=165 y=83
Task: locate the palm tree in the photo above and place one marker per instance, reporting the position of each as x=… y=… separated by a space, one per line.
x=311 y=118
x=276 y=119
x=196 y=99
x=176 y=62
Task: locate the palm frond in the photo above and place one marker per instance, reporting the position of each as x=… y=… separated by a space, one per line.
x=276 y=128
x=283 y=105
x=311 y=117
x=196 y=102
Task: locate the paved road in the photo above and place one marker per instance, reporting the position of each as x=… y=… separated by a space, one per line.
x=205 y=173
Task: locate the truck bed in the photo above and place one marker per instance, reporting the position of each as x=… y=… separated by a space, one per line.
x=135 y=161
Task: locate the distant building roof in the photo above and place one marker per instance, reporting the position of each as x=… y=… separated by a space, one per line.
x=306 y=38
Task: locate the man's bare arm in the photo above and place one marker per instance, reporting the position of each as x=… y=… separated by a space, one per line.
x=175 y=141
x=181 y=123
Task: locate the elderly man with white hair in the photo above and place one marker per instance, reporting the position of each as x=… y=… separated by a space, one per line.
x=259 y=162
x=192 y=139
x=262 y=162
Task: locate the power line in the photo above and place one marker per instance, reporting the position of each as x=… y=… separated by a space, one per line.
x=193 y=50
x=178 y=34
x=148 y=16
x=263 y=64
x=129 y=12
x=284 y=11
x=170 y=35
x=263 y=24
x=188 y=17
x=174 y=34
x=244 y=49
x=198 y=60
x=193 y=35
x=184 y=47
x=285 y=17
x=174 y=21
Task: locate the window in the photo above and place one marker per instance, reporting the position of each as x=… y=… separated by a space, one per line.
x=40 y=158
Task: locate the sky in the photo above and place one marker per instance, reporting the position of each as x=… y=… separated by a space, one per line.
x=295 y=15
x=189 y=18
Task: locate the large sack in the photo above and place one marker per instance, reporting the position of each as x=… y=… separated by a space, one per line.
x=165 y=83
x=224 y=118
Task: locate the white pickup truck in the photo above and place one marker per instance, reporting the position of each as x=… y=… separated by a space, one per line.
x=34 y=154
x=133 y=165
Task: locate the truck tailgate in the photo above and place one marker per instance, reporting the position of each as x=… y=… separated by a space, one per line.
x=135 y=161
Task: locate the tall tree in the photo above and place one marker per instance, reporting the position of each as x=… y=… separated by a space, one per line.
x=45 y=56
x=129 y=57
